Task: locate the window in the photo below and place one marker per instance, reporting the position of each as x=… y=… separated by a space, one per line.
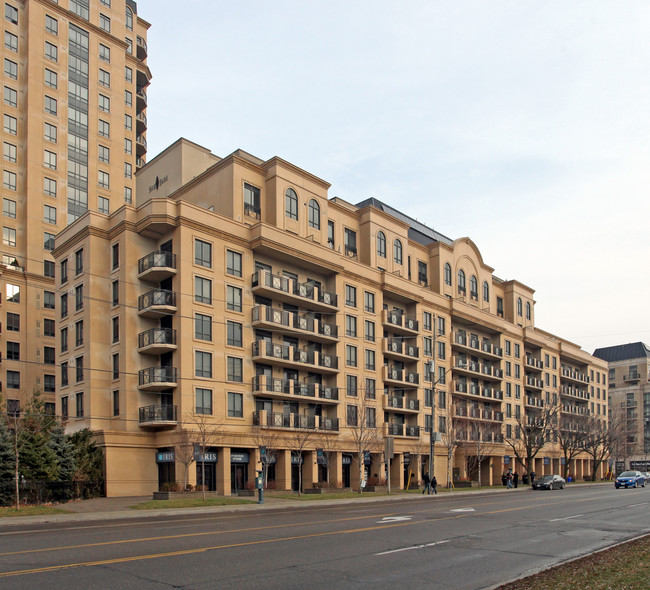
x=234 y=369
x=116 y=402
x=519 y=306
x=51 y=51
x=79 y=297
x=13 y=293
x=115 y=289
x=351 y=415
x=369 y=331
x=80 y=7
x=441 y=350
x=104 y=128
x=49 y=355
x=350 y=242
x=13 y=380
x=115 y=256
x=128 y=170
x=528 y=310
x=11 y=69
x=350 y=325
x=202 y=327
x=128 y=122
x=233 y=263
x=508 y=368
x=11 y=97
x=291 y=204
x=428 y=346
x=116 y=329
x=234 y=333
x=50 y=78
x=461 y=281
x=104 y=23
x=350 y=296
x=202 y=290
x=9 y=180
x=103 y=154
x=500 y=307
x=8 y=236
x=423 y=273
x=371 y=388
x=128 y=74
x=235 y=405
x=427 y=320
x=49 y=187
x=103 y=205
x=128 y=146
x=13 y=322
x=51 y=25
x=64 y=407
x=10 y=125
x=9 y=208
x=473 y=288
x=13 y=351
x=11 y=14
x=517 y=349
x=49 y=328
x=49 y=214
x=80 y=405
x=128 y=198
x=64 y=305
x=350 y=355
x=49 y=385
x=79 y=368
x=369 y=302
x=370 y=417
x=104 y=103
x=50 y=132
x=351 y=385
x=447 y=274
x=9 y=152
x=381 y=244
x=103 y=179
x=233 y=298
x=330 y=234
x=203 y=253
x=314 y=217
x=252 y=200
x=104 y=53
x=128 y=18
x=203 y=364
x=11 y=42
x=397 y=252
x=49 y=159
x=370 y=360
x=106 y=3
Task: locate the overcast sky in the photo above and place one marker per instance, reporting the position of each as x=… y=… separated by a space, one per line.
x=523 y=125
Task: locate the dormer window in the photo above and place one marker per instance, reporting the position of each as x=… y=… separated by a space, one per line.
x=291 y=204
x=252 y=205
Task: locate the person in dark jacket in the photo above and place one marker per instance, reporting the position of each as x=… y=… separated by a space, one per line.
x=434 y=484
x=515 y=478
x=427 y=483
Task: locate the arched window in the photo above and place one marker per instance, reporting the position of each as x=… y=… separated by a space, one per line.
x=129 y=19
x=291 y=204
x=486 y=291
x=314 y=214
x=448 y=274
x=381 y=244
x=397 y=251
x=461 y=281
x=528 y=310
x=519 y=306
x=473 y=287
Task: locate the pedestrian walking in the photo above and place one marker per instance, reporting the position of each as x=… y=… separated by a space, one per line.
x=515 y=479
x=532 y=477
x=509 y=480
x=427 y=483
x=434 y=484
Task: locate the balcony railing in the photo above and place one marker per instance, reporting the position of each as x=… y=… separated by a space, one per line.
x=265 y=384
x=402 y=403
x=284 y=352
x=575 y=375
x=484 y=346
x=534 y=363
x=293 y=321
x=155 y=414
x=154 y=376
x=252 y=210
x=395 y=374
x=157 y=336
x=574 y=392
x=294 y=421
x=158 y=302
x=400 y=320
x=157 y=265
x=307 y=291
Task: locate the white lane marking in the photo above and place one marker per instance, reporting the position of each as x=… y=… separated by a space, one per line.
x=566 y=518
x=635 y=505
x=463 y=510
x=414 y=547
x=394 y=518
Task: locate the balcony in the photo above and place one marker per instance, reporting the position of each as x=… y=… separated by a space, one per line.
x=287 y=322
x=288 y=356
x=157 y=378
x=533 y=383
x=402 y=430
x=142 y=76
x=141 y=48
x=630 y=403
x=534 y=402
x=399 y=323
x=157 y=266
x=251 y=210
x=485 y=348
x=575 y=410
x=533 y=364
x=140 y=145
x=632 y=378
x=157 y=303
x=139 y=163
x=289 y=389
x=401 y=404
x=479 y=414
x=140 y=99
x=157 y=341
x=158 y=416
x=476 y=369
x=294 y=421
x=574 y=392
x=398 y=349
x=291 y=291
x=573 y=375
x=401 y=377
x=467 y=389
x=141 y=124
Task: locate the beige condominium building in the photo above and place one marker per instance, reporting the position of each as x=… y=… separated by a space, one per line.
x=74 y=128
x=629 y=402
x=235 y=298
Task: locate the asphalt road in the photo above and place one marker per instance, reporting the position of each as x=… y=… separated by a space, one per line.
x=471 y=541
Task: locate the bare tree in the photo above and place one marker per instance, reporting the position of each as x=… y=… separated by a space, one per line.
x=299 y=440
x=205 y=432
x=571 y=431
x=452 y=430
x=598 y=441
x=271 y=441
x=331 y=446
x=184 y=449
x=364 y=433
x=482 y=445
x=531 y=432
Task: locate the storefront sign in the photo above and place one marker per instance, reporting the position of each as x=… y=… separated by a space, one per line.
x=165 y=457
x=506 y=459
x=346 y=460
x=547 y=460
x=209 y=457
x=562 y=460
x=158 y=183
x=239 y=457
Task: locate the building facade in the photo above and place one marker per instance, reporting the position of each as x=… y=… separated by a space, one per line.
x=235 y=298
x=629 y=402
x=74 y=134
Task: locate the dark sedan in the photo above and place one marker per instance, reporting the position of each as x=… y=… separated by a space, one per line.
x=630 y=479
x=549 y=482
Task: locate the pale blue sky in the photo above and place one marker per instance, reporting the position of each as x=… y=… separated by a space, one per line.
x=523 y=125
